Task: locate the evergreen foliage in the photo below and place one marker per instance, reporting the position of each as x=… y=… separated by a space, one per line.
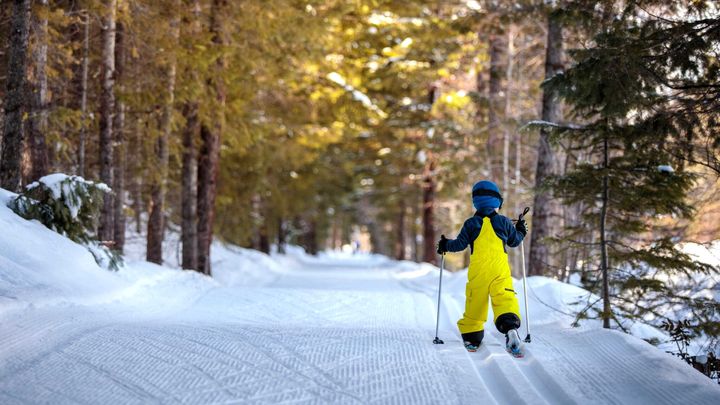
x=70 y=206
x=644 y=96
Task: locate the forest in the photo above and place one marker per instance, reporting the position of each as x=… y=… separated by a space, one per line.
x=324 y=123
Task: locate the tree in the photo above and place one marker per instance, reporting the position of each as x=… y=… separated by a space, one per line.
x=15 y=99
x=189 y=187
x=640 y=95
x=38 y=121
x=84 y=68
x=545 y=210
x=210 y=134
x=107 y=111
x=120 y=149
x=156 y=221
x=190 y=134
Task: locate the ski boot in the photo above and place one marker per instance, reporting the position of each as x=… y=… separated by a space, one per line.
x=471 y=346
x=513 y=344
x=472 y=340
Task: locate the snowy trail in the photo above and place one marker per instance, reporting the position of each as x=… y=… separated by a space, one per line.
x=567 y=366
x=332 y=331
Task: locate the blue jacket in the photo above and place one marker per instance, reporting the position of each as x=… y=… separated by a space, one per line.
x=502 y=225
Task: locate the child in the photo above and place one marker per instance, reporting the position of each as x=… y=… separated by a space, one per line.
x=488 y=233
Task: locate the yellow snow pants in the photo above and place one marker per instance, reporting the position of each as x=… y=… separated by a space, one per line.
x=488 y=276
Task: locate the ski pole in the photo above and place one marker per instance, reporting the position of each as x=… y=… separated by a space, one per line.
x=437 y=340
x=522 y=255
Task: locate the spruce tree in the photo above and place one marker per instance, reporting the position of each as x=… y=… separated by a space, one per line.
x=643 y=97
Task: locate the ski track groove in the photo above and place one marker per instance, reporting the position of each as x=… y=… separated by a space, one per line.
x=494 y=370
x=489 y=373
x=659 y=394
x=200 y=384
x=333 y=386
x=578 y=374
x=542 y=381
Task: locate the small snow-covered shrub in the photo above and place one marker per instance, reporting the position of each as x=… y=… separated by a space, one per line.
x=70 y=206
x=104 y=256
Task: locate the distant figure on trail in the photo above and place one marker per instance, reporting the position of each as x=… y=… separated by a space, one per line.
x=355 y=247
x=488 y=233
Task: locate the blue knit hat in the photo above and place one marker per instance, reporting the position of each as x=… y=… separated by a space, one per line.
x=486 y=196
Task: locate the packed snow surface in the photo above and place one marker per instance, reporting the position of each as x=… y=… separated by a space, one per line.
x=294 y=329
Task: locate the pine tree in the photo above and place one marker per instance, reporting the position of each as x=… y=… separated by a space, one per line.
x=545 y=209
x=38 y=120
x=16 y=102
x=107 y=110
x=642 y=96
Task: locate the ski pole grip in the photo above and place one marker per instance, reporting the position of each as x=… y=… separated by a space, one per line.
x=525 y=211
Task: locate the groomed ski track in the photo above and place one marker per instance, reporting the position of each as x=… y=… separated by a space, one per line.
x=329 y=332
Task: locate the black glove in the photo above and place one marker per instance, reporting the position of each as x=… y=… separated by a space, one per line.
x=442 y=245
x=521 y=227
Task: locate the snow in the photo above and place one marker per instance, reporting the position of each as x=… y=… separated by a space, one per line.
x=42 y=268
x=61 y=186
x=336 y=328
x=543 y=123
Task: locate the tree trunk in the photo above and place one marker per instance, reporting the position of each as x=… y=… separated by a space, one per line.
x=495 y=106
x=120 y=148
x=189 y=159
x=310 y=237
x=281 y=237
x=604 y=265
x=263 y=238
x=209 y=158
x=428 y=209
x=137 y=175
x=189 y=184
x=156 y=220
x=83 y=93
x=107 y=109
x=506 y=112
x=400 y=236
x=481 y=115
x=335 y=234
x=15 y=99
x=544 y=208
x=38 y=122
x=206 y=179
x=415 y=246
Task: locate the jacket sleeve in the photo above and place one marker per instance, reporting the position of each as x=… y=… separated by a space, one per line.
x=461 y=241
x=514 y=238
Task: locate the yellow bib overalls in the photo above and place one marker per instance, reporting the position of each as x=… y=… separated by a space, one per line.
x=488 y=276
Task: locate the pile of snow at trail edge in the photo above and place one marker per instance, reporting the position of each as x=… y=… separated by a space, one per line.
x=336 y=328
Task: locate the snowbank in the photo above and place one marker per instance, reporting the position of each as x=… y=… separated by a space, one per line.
x=40 y=267
x=550 y=301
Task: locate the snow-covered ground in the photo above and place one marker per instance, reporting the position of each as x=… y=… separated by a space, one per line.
x=297 y=329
